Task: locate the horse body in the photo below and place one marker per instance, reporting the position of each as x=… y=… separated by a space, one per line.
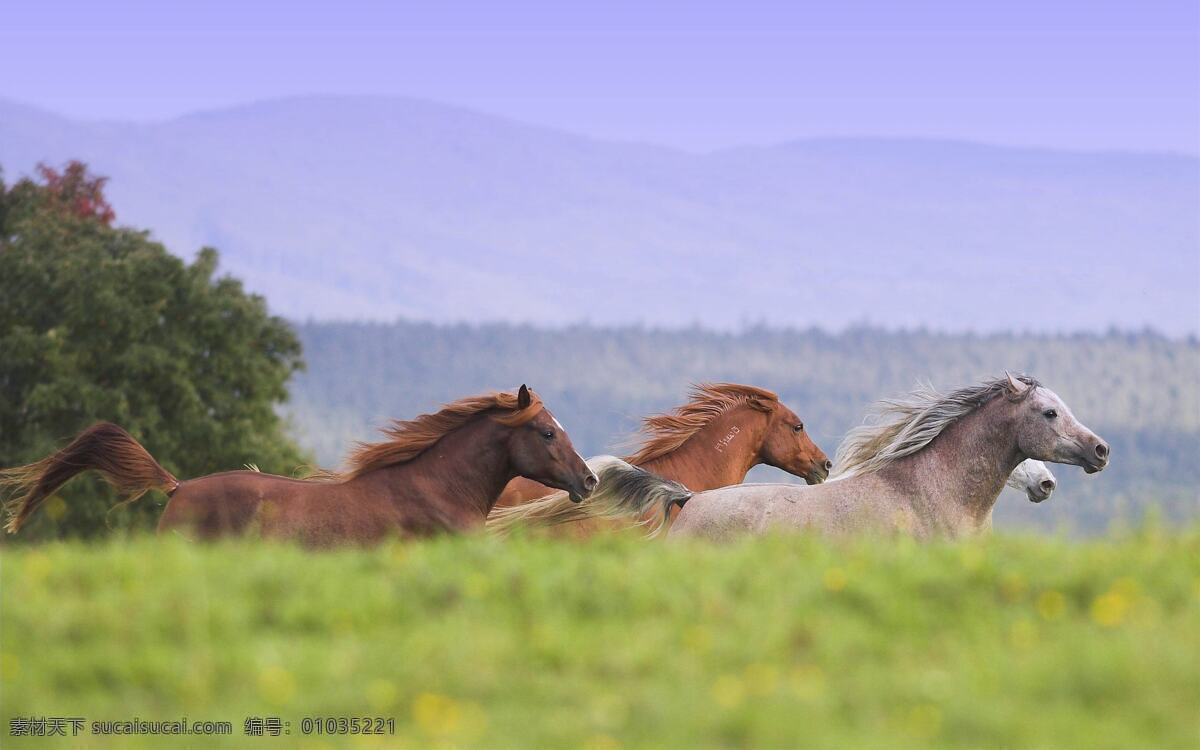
x=449 y=487
x=904 y=496
x=243 y=503
x=920 y=476
x=439 y=472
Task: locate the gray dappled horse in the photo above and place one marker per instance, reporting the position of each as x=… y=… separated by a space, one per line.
x=929 y=465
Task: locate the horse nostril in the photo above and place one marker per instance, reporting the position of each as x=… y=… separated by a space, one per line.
x=828 y=465
x=590 y=482
x=1101 y=450
x=1047 y=486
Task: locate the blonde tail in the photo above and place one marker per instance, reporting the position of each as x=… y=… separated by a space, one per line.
x=624 y=492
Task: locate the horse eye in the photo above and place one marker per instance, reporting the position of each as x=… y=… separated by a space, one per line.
x=548 y=434
x=1050 y=413
x=799 y=427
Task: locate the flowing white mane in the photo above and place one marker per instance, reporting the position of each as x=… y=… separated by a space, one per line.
x=895 y=428
x=623 y=491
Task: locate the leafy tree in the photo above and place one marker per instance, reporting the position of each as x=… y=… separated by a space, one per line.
x=71 y=192
x=101 y=323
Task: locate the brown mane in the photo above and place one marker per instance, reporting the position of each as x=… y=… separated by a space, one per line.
x=407 y=439
x=664 y=433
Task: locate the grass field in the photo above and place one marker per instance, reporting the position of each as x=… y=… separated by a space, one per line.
x=617 y=643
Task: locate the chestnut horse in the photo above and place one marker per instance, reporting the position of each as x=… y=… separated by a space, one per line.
x=712 y=441
x=438 y=472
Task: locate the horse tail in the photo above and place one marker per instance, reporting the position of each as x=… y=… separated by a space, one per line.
x=624 y=491
x=103 y=447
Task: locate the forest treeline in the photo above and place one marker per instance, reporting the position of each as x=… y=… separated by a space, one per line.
x=1139 y=390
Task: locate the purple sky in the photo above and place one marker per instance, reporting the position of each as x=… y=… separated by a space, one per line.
x=1069 y=73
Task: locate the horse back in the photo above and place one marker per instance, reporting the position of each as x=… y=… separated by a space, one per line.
x=217 y=505
x=238 y=503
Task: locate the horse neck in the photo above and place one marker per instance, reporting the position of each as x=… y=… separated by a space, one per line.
x=464 y=472
x=719 y=454
x=955 y=480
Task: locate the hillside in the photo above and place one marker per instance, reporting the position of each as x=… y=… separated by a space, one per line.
x=1140 y=391
x=373 y=208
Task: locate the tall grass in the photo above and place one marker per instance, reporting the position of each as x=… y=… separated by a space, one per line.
x=617 y=643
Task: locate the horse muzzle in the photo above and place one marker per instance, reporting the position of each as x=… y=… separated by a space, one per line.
x=580 y=490
x=819 y=474
x=1042 y=492
x=1097 y=458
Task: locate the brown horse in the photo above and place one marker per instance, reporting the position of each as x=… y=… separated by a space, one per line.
x=712 y=441
x=438 y=472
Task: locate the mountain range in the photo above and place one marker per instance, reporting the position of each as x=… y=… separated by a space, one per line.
x=361 y=208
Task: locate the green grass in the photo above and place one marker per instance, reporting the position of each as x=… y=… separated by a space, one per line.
x=618 y=643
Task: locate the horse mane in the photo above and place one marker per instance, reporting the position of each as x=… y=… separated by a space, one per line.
x=895 y=428
x=407 y=439
x=664 y=433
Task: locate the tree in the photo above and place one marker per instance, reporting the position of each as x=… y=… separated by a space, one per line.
x=101 y=323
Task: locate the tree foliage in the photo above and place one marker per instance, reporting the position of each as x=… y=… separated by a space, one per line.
x=101 y=323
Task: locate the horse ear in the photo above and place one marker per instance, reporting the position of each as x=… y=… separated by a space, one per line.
x=523 y=397
x=1014 y=385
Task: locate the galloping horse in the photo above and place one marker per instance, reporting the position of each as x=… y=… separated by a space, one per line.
x=712 y=441
x=438 y=472
x=931 y=465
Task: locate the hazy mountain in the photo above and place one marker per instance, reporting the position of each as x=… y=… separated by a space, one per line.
x=351 y=207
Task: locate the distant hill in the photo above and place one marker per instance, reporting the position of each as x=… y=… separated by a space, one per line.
x=1141 y=392
x=373 y=208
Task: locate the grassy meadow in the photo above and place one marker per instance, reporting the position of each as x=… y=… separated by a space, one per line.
x=1011 y=641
